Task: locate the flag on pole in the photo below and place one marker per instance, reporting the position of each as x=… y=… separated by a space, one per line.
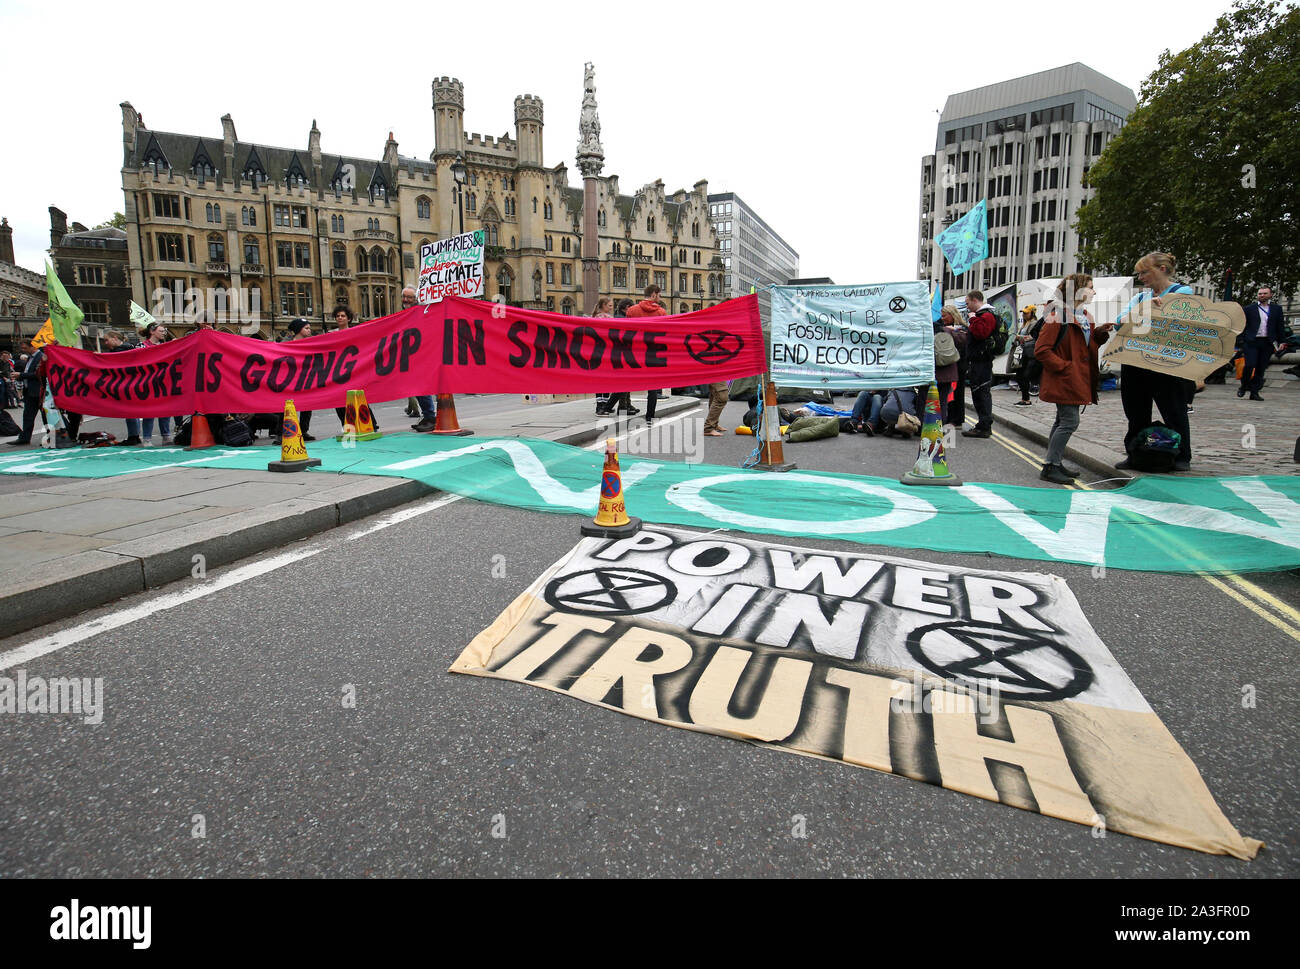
x=44 y=335
x=140 y=317
x=936 y=305
x=966 y=241
x=64 y=315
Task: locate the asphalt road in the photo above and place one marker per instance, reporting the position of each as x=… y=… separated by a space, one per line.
x=230 y=707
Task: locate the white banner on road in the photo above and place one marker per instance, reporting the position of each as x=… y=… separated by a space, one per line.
x=990 y=683
x=852 y=337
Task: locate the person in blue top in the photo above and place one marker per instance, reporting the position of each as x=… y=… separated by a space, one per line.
x=1140 y=388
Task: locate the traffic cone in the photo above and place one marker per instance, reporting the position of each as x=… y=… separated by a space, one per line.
x=293 y=453
x=772 y=454
x=931 y=466
x=358 y=424
x=200 y=434
x=612 y=519
x=446 y=422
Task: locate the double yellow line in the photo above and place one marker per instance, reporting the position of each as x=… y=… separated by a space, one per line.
x=1259 y=601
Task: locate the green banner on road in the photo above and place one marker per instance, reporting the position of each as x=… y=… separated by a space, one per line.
x=1153 y=524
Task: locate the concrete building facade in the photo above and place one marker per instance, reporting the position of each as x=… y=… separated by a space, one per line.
x=92 y=265
x=753 y=254
x=1023 y=146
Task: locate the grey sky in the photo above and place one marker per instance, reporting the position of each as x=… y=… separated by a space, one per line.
x=817 y=114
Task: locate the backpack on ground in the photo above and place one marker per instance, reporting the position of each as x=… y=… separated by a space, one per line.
x=1156 y=448
x=945 y=349
x=235 y=433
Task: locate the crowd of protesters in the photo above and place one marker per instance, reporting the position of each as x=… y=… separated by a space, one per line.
x=1058 y=345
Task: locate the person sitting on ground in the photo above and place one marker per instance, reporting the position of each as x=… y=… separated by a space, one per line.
x=900 y=416
x=866 y=411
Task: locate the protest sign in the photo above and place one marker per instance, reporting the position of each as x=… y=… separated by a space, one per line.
x=451 y=267
x=989 y=683
x=1187 y=336
x=455 y=347
x=852 y=337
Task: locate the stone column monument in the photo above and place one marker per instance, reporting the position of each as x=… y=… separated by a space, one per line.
x=591 y=159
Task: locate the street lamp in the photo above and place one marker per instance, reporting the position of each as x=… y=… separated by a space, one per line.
x=461 y=176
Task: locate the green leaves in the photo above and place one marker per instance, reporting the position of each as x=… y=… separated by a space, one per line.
x=1208 y=166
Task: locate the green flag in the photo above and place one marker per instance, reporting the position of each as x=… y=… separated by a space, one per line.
x=64 y=315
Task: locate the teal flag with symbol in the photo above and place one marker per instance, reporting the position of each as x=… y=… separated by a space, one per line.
x=966 y=241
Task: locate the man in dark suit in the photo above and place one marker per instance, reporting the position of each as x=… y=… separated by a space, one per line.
x=1263 y=330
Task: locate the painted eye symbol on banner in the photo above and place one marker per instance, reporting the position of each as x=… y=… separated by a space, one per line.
x=897 y=304
x=610 y=592
x=717 y=347
x=1024 y=665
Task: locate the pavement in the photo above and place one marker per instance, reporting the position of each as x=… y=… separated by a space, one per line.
x=1230 y=435
x=67 y=545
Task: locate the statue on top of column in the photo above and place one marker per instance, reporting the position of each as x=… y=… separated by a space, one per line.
x=589 y=147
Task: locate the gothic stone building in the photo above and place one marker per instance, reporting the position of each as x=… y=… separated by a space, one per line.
x=228 y=226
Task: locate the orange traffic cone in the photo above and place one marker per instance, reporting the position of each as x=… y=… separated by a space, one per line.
x=293 y=453
x=446 y=422
x=358 y=423
x=772 y=455
x=200 y=434
x=612 y=519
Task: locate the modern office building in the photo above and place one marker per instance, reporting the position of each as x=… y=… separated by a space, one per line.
x=753 y=254
x=1023 y=146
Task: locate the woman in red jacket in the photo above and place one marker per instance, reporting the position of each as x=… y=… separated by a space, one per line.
x=1067 y=348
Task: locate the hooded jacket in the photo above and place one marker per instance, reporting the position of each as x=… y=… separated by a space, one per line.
x=647 y=307
x=1070 y=371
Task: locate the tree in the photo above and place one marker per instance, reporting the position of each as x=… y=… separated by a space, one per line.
x=1208 y=165
x=118 y=221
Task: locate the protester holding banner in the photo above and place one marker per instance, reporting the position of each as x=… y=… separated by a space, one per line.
x=421 y=406
x=980 y=355
x=116 y=343
x=1067 y=347
x=1140 y=388
x=650 y=306
x=155 y=335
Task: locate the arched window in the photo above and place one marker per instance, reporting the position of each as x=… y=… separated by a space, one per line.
x=363 y=260
x=340 y=256
x=390 y=262
x=423 y=207
x=546 y=210
x=695 y=229
x=243 y=215
x=252 y=215
x=216 y=211
x=534 y=205
x=600 y=218
x=649 y=223
x=682 y=308
x=713 y=286
x=505 y=284
x=617 y=249
x=252 y=251
x=473 y=201
x=566 y=307
x=216 y=248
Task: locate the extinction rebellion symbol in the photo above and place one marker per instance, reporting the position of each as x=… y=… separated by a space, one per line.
x=713 y=347
x=610 y=592
x=897 y=304
x=1024 y=665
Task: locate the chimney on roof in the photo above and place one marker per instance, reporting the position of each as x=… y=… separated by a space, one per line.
x=228 y=149
x=390 y=152
x=6 y=242
x=58 y=226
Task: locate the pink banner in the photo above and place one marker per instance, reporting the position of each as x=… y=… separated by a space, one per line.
x=456 y=346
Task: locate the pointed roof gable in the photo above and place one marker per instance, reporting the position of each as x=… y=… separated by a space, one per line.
x=153 y=153
x=253 y=164
x=295 y=169
x=201 y=160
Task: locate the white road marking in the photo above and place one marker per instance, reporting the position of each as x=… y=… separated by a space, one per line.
x=123 y=617
x=600 y=443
